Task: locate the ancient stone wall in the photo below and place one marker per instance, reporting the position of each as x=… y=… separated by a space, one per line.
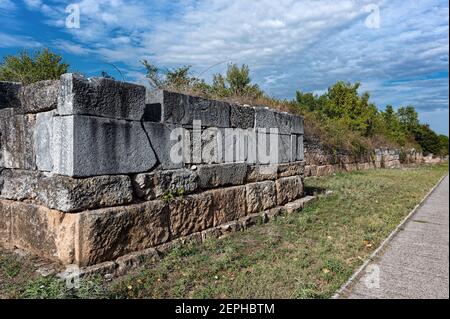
x=93 y=170
x=321 y=160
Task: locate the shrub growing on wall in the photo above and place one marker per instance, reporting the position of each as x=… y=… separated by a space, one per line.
x=29 y=68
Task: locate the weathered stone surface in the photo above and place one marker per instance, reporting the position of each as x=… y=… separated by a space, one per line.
x=64 y=193
x=171 y=143
x=89 y=146
x=9 y=94
x=42 y=140
x=228 y=204
x=184 y=109
x=191 y=214
x=149 y=186
x=289 y=189
x=39 y=97
x=5 y=224
x=297 y=147
x=100 y=97
x=260 y=196
x=222 y=174
x=113 y=232
x=242 y=116
x=44 y=232
x=291 y=169
x=17 y=140
x=235 y=145
x=259 y=173
x=207 y=146
x=274 y=148
x=266 y=118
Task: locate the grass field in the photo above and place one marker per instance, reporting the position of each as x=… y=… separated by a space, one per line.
x=305 y=255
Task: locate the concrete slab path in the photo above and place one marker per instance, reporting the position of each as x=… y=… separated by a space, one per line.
x=414 y=263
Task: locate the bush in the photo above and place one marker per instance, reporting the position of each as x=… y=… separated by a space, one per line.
x=29 y=68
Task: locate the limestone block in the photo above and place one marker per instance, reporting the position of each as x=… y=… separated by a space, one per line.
x=184 y=109
x=5 y=224
x=88 y=146
x=64 y=193
x=291 y=169
x=42 y=231
x=259 y=173
x=289 y=189
x=285 y=123
x=260 y=196
x=235 y=145
x=153 y=185
x=242 y=116
x=228 y=204
x=17 y=139
x=9 y=94
x=191 y=214
x=171 y=143
x=100 y=97
x=39 y=97
x=109 y=233
x=222 y=174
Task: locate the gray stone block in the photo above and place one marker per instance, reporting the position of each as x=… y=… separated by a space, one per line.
x=297 y=147
x=9 y=94
x=153 y=185
x=235 y=145
x=100 y=97
x=207 y=146
x=89 y=146
x=42 y=140
x=273 y=148
x=65 y=193
x=242 y=116
x=222 y=175
x=39 y=97
x=171 y=143
x=285 y=123
x=184 y=109
x=17 y=140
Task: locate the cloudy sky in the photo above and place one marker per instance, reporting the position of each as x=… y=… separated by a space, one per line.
x=398 y=50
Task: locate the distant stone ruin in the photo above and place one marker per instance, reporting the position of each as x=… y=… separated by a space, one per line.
x=97 y=172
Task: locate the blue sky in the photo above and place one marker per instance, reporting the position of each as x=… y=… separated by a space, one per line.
x=400 y=58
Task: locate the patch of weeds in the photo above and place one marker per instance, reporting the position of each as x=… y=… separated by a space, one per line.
x=45 y=288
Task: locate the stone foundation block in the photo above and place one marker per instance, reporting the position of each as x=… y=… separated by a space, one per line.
x=153 y=185
x=289 y=189
x=211 y=176
x=191 y=214
x=228 y=204
x=260 y=196
x=266 y=118
x=109 y=233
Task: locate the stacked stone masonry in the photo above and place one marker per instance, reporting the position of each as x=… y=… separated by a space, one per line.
x=93 y=170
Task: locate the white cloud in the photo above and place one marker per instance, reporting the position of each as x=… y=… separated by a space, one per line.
x=288 y=44
x=7 y=5
x=11 y=41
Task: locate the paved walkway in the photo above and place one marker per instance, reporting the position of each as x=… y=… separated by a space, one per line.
x=415 y=263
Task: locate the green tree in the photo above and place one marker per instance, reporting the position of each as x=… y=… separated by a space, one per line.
x=408 y=117
x=428 y=140
x=236 y=83
x=29 y=68
x=443 y=145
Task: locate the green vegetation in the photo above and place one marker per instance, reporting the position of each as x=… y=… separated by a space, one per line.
x=29 y=68
x=303 y=255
